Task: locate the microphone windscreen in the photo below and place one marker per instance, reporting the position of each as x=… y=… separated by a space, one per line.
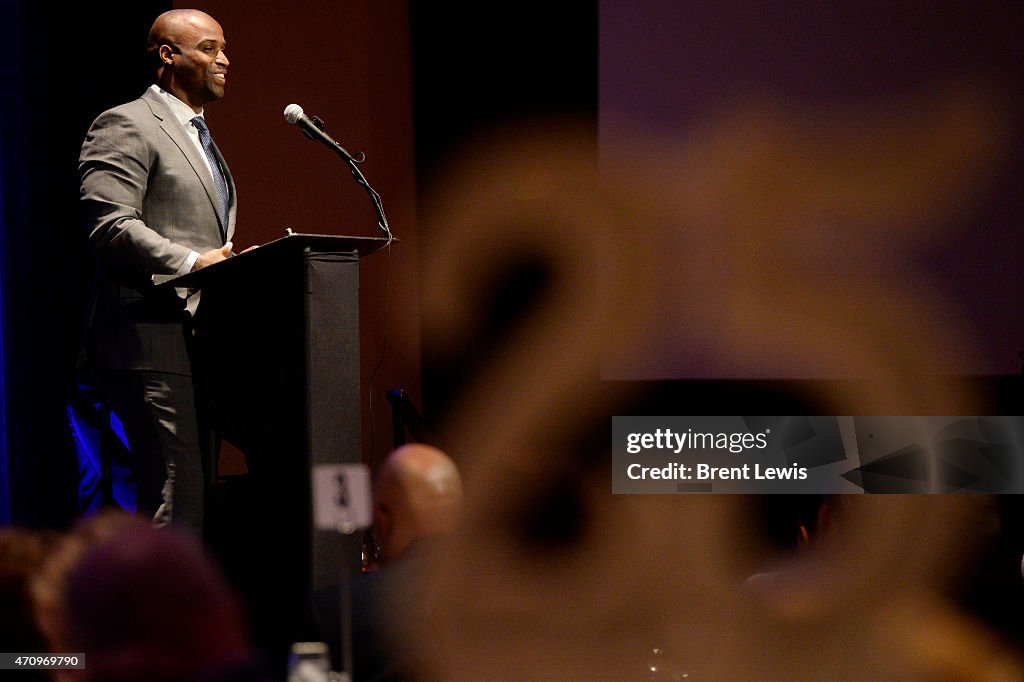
x=292 y=113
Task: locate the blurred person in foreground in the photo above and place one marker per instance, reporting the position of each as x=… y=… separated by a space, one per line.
x=143 y=605
x=417 y=501
x=22 y=552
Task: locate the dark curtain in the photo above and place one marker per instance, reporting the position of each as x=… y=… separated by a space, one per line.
x=62 y=63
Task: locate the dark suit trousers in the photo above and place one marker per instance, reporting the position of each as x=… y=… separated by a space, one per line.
x=158 y=412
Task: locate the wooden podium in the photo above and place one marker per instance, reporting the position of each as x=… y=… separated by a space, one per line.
x=277 y=373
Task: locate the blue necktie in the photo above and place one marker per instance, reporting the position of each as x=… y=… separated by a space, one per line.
x=218 y=176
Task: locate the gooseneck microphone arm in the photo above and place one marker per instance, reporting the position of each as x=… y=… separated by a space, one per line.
x=313 y=128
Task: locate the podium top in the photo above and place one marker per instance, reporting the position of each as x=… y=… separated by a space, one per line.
x=290 y=243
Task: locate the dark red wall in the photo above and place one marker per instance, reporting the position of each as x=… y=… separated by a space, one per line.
x=347 y=62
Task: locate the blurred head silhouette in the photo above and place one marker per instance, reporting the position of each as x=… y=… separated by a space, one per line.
x=22 y=552
x=144 y=603
x=417 y=493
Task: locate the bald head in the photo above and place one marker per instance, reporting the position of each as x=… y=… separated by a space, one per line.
x=417 y=493
x=176 y=25
x=189 y=48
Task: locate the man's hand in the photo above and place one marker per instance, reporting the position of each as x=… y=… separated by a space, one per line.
x=212 y=256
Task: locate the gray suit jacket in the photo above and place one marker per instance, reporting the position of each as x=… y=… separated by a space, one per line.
x=147 y=200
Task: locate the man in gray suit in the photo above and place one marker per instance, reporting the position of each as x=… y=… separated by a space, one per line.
x=157 y=198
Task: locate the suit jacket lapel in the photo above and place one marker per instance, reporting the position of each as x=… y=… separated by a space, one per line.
x=170 y=125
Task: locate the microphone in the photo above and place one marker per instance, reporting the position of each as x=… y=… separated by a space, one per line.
x=293 y=114
x=313 y=129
